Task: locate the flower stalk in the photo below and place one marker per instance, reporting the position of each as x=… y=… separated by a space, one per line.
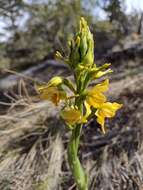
x=83 y=102
x=75 y=165
x=78 y=172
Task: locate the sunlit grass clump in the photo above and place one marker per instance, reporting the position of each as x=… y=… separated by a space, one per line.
x=83 y=102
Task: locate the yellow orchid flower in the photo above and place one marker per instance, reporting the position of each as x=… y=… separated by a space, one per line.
x=108 y=110
x=52 y=94
x=73 y=116
x=95 y=96
x=97 y=72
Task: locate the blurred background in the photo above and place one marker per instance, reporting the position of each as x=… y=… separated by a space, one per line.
x=33 y=139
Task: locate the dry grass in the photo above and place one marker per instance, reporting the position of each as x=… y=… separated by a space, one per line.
x=31 y=149
x=33 y=144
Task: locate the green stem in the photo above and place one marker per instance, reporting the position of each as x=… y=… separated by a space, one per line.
x=75 y=165
x=74 y=162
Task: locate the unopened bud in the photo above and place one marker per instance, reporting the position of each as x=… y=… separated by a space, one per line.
x=82 y=47
x=55 y=81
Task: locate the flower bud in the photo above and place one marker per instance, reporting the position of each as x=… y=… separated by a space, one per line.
x=55 y=81
x=82 y=47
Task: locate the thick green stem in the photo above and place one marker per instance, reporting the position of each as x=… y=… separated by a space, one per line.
x=75 y=165
x=74 y=162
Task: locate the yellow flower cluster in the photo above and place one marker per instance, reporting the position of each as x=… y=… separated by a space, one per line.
x=92 y=100
x=96 y=99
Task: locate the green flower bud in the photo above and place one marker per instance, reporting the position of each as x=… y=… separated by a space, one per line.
x=82 y=47
x=74 y=56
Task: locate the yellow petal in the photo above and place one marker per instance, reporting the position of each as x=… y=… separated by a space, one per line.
x=73 y=116
x=52 y=94
x=55 y=98
x=88 y=110
x=48 y=92
x=102 y=87
x=100 y=120
x=94 y=95
x=83 y=120
x=102 y=73
x=109 y=109
x=95 y=99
